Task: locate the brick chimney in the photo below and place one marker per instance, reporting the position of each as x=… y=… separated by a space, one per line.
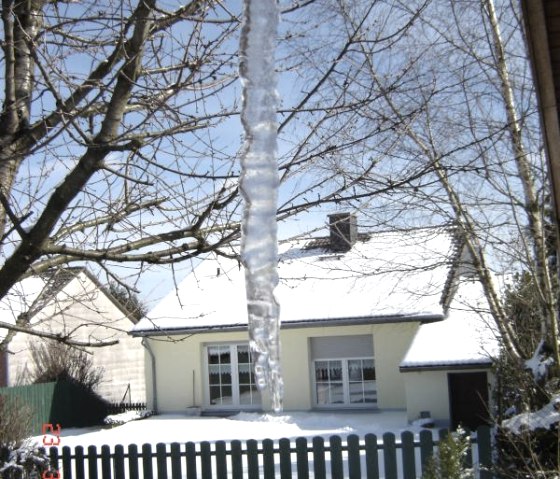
x=343 y=231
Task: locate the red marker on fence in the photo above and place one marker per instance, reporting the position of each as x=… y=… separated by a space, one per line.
x=51 y=441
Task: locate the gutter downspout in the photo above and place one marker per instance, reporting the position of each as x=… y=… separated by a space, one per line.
x=146 y=344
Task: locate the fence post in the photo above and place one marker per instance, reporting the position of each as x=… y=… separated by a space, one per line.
x=354 y=466
x=205 y=460
x=372 y=459
x=92 y=462
x=221 y=461
x=408 y=455
x=426 y=448
x=337 y=470
x=161 y=460
x=147 y=461
x=301 y=458
x=285 y=458
x=390 y=455
x=79 y=458
x=67 y=462
x=484 y=443
x=268 y=459
x=105 y=462
x=175 y=460
x=319 y=467
x=132 y=461
x=191 y=460
x=253 y=459
x=236 y=460
x=118 y=462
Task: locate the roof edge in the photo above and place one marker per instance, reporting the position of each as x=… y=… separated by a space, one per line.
x=298 y=324
x=447 y=366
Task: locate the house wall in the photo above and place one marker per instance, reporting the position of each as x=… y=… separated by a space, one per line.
x=86 y=311
x=429 y=391
x=180 y=373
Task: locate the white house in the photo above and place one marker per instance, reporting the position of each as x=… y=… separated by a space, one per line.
x=355 y=307
x=72 y=301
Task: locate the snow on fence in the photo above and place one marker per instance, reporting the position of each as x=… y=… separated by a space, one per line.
x=336 y=458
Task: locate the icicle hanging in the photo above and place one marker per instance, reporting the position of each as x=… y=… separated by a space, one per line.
x=259 y=188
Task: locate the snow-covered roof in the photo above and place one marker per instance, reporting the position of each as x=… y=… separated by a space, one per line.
x=384 y=277
x=466 y=338
x=34 y=293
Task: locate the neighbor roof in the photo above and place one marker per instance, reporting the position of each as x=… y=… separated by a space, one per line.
x=385 y=277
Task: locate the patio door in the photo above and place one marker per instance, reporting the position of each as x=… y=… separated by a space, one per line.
x=230 y=377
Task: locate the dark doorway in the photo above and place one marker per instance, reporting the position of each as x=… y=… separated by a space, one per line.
x=468 y=399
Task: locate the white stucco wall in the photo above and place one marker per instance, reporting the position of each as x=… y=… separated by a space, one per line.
x=180 y=365
x=83 y=309
x=429 y=391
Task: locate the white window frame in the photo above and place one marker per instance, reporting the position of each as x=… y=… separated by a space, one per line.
x=236 y=405
x=345 y=384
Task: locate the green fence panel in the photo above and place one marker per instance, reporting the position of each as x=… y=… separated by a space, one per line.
x=38 y=398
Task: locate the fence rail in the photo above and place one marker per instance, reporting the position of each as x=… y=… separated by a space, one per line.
x=336 y=458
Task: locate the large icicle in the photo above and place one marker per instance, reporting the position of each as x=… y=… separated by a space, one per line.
x=259 y=187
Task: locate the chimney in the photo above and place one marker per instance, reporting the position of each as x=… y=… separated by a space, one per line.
x=343 y=231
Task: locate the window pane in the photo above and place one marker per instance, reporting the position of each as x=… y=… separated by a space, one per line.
x=335 y=370
x=322 y=370
x=243 y=356
x=355 y=370
x=336 y=393
x=370 y=392
x=369 y=370
x=322 y=391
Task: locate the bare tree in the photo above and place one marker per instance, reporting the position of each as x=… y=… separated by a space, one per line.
x=119 y=137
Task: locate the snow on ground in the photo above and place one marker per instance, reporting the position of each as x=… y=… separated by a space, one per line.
x=170 y=428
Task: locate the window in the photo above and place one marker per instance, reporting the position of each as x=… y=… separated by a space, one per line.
x=345 y=382
x=343 y=371
x=230 y=378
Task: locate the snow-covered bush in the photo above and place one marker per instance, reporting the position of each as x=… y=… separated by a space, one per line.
x=22 y=462
x=450 y=460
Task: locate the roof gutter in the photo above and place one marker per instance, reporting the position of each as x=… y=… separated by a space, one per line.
x=304 y=323
x=146 y=344
x=446 y=367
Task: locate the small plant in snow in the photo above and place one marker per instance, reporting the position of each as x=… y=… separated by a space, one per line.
x=450 y=460
x=18 y=460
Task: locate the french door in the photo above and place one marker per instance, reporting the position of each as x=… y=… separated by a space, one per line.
x=230 y=377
